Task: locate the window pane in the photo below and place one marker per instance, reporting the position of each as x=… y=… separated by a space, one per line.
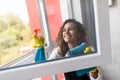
x=15 y=32
x=49 y=16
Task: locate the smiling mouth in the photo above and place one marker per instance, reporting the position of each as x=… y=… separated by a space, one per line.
x=67 y=37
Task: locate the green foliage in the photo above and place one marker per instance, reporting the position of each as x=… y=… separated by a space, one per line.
x=2 y=24
x=6 y=42
x=11 y=21
x=13 y=34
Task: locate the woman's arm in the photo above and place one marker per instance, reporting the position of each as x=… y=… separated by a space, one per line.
x=54 y=54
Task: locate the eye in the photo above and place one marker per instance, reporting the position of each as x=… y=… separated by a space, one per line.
x=72 y=28
x=64 y=30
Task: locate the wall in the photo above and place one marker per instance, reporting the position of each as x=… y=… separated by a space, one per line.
x=112 y=71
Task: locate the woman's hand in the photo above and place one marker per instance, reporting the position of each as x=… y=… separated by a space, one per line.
x=94 y=73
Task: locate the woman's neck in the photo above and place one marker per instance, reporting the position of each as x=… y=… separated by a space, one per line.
x=72 y=45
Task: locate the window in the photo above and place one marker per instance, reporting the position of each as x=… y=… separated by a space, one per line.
x=99 y=37
x=15 y=32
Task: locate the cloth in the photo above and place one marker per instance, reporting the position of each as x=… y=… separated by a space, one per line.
x=40 y=54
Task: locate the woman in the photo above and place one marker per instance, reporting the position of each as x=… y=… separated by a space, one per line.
x=71 y=34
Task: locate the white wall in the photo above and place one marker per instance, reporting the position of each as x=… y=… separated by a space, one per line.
x=112 y=71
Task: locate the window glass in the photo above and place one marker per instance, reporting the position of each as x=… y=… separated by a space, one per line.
x=43 y=15
x=58 y=11
x=48 y=15
x=15 y=32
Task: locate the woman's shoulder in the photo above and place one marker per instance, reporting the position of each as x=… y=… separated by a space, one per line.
x=55 y=53
x=56 y=49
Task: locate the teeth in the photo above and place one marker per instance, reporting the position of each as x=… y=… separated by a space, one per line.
x=67 y=36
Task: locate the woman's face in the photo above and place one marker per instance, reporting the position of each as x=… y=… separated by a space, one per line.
x=70 y=33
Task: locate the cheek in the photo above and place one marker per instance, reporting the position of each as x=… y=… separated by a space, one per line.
x=76 y=36
x=62 y=34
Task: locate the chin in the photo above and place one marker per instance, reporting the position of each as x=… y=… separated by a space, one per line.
x=67 y=41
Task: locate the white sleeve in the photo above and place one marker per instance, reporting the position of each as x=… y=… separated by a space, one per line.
x=99 y=75
x=54 y=54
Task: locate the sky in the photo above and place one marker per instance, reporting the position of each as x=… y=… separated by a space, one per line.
x=17 y=7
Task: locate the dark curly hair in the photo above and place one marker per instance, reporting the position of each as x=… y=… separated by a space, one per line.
x=80 y=30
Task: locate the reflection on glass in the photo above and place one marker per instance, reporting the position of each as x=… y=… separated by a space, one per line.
x=52 y=14
x=71 y=40
x=15 y=35
x=56 y=15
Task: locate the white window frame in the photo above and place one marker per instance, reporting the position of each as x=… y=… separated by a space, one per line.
x=102 y=56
